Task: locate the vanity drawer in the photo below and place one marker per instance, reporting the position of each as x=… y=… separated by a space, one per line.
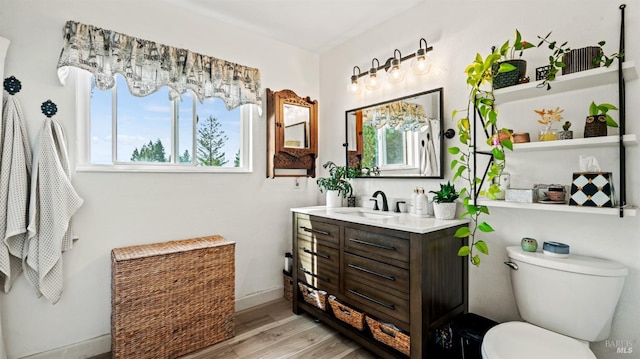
x=376 y=302
x=377 y=246
x=381 y=276
x=324 y=280
x=318 y=265
x=316 y=255
x=317 y=231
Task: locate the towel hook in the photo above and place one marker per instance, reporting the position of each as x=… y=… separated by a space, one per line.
x=49 y=108
x=12 y=85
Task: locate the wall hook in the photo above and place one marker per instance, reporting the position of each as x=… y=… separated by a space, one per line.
x=49 y=108
x=12 y=85
x=449 y=133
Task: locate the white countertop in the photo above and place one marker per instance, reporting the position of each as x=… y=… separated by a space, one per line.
x=399 y=221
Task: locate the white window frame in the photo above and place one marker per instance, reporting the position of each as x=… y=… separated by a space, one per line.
x=83 y=139
x=411 y=156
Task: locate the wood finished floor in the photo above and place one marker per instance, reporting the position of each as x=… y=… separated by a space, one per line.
x=272 y=331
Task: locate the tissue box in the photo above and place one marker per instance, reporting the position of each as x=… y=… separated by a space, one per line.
x=592 y=189
x=520 y=195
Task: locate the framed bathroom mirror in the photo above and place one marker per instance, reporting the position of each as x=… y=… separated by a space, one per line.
x=292 y=134
x=296 y=126
x=399 y=138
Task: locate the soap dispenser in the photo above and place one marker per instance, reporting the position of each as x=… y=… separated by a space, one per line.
x=421 y=203
x=412 y=207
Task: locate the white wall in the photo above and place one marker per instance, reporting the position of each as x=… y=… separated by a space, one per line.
x=123 y=209
x=127 y=209
x=457 y=31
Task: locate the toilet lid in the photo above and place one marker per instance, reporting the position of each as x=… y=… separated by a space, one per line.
x=520 y=340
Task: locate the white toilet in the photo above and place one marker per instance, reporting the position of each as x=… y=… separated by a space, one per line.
x=566 y=303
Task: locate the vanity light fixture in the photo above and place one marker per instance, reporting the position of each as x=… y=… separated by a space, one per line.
x=421 y=63
x=395 y=72
x=374 y=80
x=394 y=69
x=354 y=87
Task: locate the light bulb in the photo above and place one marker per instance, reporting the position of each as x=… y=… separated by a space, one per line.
x=353 y=87
x=421 y=64
x=374 y=80
x=395 y=73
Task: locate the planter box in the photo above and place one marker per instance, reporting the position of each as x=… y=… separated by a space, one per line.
x=580 y=59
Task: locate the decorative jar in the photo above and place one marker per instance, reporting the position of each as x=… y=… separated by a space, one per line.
x=529 y=244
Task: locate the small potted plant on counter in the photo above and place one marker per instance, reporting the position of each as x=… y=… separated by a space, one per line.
x=598 y=120
x=566 y=134
x=337 y=185
x=444 y=205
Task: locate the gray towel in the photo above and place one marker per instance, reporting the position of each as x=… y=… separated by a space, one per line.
x=53 y=203
x=15 y=169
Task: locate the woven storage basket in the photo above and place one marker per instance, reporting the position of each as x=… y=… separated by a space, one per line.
x=347 y=314
x=170 y=299
x=288 y=286
x=315 y=297
x=389 y=335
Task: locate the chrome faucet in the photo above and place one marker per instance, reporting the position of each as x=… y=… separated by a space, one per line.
x=385 y=205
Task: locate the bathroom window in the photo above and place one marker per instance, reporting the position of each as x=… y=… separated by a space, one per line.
x=390 y=148
x=153 y=133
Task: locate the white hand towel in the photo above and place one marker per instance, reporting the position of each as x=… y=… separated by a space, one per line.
x=428 y=159
x=15 y=169
x=53 y=203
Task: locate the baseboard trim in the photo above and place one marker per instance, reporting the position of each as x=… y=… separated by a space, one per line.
x=82 y=350
x=102 y=344
x=259 y=298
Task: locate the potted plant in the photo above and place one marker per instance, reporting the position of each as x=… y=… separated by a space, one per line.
x=566 y=134
x=598 y=120
x=337 y=185
x=481 y=100
x=444 y=205
x=514 y=69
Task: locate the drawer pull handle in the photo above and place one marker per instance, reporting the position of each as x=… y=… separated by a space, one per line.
x=388 y=306
x=344 y=311
x=387 y=331
x=315 y=253
x=324 y=278
x=388 y=277
x=313 y=230
x=372 y=244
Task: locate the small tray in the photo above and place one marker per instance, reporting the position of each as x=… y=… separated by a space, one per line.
x=548 y=201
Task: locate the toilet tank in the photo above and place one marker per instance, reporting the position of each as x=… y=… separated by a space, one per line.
x=575 y=296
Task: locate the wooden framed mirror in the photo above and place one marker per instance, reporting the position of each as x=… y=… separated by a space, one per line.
x=292 y=134
x=402 y=137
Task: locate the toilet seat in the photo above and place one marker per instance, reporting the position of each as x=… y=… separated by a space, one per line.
x=520 y=340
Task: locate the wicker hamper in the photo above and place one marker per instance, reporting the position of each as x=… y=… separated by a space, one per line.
x=347 y=314
x=170 y=299
x=288 y=286
x=389 y=335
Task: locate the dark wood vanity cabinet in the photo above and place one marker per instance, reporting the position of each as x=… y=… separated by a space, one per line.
x=415 y=281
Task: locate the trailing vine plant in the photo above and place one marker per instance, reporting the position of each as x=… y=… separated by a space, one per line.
x=481 y=98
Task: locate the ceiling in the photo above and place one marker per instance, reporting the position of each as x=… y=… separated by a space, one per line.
x=314 y=25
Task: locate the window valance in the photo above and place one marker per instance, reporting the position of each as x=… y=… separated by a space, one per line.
x=147 y=66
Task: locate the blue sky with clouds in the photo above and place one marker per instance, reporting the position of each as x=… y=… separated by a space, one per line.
x=144 y=119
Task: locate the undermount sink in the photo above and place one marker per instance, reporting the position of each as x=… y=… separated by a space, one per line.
x=360 y=212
